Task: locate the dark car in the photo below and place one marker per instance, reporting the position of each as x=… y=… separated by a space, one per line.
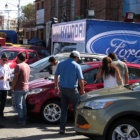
x=43 y=100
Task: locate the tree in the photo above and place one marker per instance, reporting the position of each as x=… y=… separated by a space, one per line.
x=28 y=13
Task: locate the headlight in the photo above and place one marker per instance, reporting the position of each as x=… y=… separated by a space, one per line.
x=36 y=91
x=99 y=104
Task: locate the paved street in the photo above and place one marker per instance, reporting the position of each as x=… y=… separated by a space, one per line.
x=34 y=130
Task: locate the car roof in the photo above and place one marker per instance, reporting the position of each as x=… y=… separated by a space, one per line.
x=100 y=63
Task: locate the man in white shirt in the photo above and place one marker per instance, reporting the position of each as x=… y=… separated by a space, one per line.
x=4 y=82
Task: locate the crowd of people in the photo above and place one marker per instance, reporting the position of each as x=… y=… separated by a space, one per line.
x=67 y=74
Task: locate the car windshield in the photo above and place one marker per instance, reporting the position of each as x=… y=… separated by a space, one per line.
x=11 y=54
x=84 y=67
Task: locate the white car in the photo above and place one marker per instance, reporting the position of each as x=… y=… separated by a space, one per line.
x=42 y=68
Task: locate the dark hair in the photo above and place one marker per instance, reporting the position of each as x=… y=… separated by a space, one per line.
x=72 y=56
x=4 y=55
x=108 y=67
x=113 y=56
x=21 y=56
x=52 y=59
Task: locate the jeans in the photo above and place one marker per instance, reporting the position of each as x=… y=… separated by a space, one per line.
x=19 y=100
x=3 y=95
x=67 y=94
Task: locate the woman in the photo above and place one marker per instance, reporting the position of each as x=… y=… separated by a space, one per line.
x=109 y=72
x=4 y=82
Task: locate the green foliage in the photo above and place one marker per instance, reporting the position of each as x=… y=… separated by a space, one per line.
x=28 y=13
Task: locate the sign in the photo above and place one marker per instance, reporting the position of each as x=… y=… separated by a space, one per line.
x=122 y=38
x=69 y=32
x=131 y=6
x=40 y=16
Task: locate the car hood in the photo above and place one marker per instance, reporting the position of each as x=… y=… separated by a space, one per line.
x=42 y=82
x=104 y=92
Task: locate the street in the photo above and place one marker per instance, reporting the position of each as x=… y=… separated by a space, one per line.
x=34 y=130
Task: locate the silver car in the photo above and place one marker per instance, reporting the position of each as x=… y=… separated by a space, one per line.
x=41 y=68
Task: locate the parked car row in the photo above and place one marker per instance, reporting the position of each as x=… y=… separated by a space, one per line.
x=43 y=100
x=112 y=113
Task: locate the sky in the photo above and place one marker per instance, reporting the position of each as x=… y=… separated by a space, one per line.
x=12 y=5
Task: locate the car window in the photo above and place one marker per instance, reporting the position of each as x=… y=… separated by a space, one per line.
x=32 y=55
x=90 y=76
x=134 y=73
x=11 y=54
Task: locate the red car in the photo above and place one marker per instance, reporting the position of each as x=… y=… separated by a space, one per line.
x=31 y=55
x=43 y=100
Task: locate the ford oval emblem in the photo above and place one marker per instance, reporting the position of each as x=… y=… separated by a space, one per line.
x=125 y=43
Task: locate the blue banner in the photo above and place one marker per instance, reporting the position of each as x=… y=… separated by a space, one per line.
x=119 y=37
x=131 y=6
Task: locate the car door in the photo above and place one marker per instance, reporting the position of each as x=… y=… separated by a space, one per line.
x=90 y=79
x=134 y=74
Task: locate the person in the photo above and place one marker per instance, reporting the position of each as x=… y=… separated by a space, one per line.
x=4 y=82
x=70 y=75
x=122 y=67
x=109 y=72
x=20 y=87
x=54 y=62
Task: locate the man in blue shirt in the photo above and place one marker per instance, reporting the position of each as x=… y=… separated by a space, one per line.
x=70 y=75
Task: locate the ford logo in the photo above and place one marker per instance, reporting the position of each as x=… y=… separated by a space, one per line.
x=125 y=43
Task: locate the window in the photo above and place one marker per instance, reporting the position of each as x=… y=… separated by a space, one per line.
x=42 y=4
x=134 y=73
x=32 y=55
x=11 y=54
x=90 y=76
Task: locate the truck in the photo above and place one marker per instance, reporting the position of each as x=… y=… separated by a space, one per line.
x=100 y=37
x=9 y=35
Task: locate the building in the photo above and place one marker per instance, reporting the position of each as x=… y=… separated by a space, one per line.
x=68 y=10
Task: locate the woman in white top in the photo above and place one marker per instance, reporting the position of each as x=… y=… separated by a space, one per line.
x=4 y=82
x=109 y=72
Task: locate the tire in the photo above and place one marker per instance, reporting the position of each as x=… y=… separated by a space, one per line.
x=51 y=111
x=120 y=128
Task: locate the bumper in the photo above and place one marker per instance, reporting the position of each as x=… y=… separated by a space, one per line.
x=90 y=122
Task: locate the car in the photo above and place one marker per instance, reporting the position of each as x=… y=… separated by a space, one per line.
x=12 y=52
x=43 y=100
x=41 y=68
x=110 y=113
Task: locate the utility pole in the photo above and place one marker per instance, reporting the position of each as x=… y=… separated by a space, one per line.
x=64 y=9
x=72 y=9
x=18 y=21
x=56 y=8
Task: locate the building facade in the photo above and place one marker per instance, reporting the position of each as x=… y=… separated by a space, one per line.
x=68 y=10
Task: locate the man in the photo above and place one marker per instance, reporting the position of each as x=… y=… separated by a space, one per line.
x=4 y=82
x=70 y=75
x=122 y=67
x=20 y=87
x=54 y=64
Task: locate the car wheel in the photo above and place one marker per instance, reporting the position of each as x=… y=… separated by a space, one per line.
x=125 y=129
x=51 y=111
